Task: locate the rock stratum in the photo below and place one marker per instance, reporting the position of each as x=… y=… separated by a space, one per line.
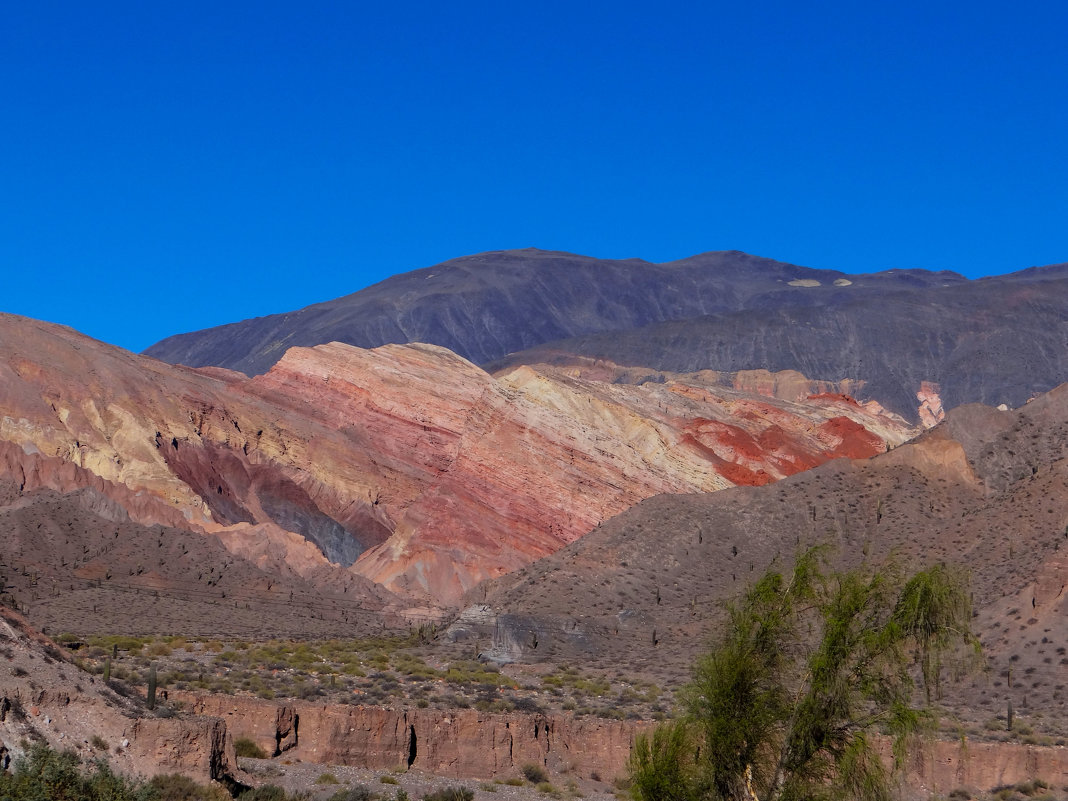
x=993 y=340
x=400 y=470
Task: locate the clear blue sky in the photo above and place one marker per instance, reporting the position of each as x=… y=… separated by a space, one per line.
x=169 y=166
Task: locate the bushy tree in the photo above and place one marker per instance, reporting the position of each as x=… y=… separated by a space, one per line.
x=807 y=667
x=43 y=774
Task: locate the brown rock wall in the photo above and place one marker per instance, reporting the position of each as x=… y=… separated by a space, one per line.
x=457 y=743
x=465 y=743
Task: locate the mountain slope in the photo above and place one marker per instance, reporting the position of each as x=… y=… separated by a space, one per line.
x=987 y=490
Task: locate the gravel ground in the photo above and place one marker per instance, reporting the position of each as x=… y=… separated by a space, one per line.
x=305 y=777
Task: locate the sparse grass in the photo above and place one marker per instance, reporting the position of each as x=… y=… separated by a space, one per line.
x=372 y=670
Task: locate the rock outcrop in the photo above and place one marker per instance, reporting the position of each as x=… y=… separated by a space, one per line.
x=461 y=743
x=930 y=410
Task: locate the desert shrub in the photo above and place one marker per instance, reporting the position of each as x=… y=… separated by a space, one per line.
x=795 y=722
x=486 y=787
x=160 y=649
x=175 y=787
x=46 y=774
x=327 y=778
x=525 y=704
x=265 y=792
x=98 y=742
x=387 y=779
x=357 y=793
x=248 y=748
x=450 y=794
x=535 y=774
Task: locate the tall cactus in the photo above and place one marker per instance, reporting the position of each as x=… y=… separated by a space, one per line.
x=152 y=686
x=107 y=669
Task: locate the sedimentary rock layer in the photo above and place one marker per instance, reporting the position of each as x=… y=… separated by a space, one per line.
x=419 y=467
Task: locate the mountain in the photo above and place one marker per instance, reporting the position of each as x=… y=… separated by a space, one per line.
x=986 y=490
x=486 y=306
x=403 y=469
x=896 y=333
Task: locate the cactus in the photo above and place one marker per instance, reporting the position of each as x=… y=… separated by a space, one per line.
x=107 y=669
x=152 y=686
x=1009 y=716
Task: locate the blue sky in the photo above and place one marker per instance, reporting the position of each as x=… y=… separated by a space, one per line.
x=170 y=166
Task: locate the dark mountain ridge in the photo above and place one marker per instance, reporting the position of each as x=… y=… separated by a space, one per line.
x=488 y=305
x=993 y=340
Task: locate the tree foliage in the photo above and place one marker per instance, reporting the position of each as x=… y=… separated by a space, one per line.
x=43 y=774
x=808 y=666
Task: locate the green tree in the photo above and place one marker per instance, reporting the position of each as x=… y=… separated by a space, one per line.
x=807 y=667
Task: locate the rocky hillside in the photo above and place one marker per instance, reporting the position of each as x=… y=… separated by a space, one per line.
x=987 y=490
x=995 y=340
x=406 y=465
x=46 y=698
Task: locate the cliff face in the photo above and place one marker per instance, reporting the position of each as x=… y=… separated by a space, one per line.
x=461 y=743
x=465 y=743
x=422 y=469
